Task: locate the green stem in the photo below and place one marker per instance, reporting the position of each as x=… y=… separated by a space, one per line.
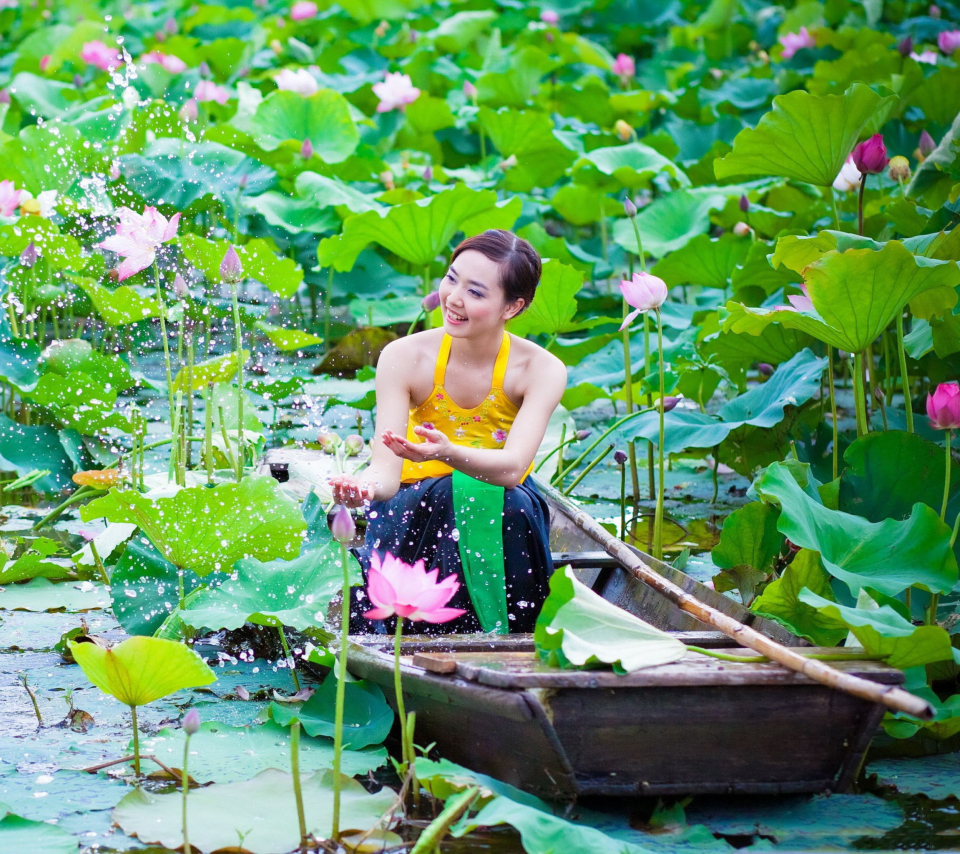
x=593 y=463
x=185 y=784
x=863 y=186
x=416 y=320
x=616 y=424
x=82 y=493
x=604 y=240
x=623 y=502
x=716 y=474
x=946 y=480
x=289 y=656
x=341 y=690
x=426 y=290
x=628 y=391
x=651 y=484
x=552 y=451
x=98 y=562
x=822 y=656
x=905 y=378
x=398 y=688
x=136 y=742
x=327 y=306
x=833 y=409
x=563 y=436
x=836 y=214
x=208 y=433
x=163 y=336
x=297 y=790
x=226 y=440
x=238 y=344
x=859 y=397
x=658 y=517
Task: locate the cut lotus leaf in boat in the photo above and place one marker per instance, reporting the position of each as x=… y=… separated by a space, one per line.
x=210 y=529
x=261 y=811
x=141 y=669
x=578 y=628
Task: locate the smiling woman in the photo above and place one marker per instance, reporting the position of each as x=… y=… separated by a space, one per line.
x=461 y=411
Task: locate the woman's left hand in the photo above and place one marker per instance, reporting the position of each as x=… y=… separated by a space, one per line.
x=435 y=445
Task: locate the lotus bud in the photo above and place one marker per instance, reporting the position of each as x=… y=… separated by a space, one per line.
x=899 y=168
x=744 y=204
x=4 y=96
x=927 y=144
x=431 y=301
x=469 y=90
x=879 y=394
x=275 y=44
x=934 y=11
x=619 y=457
x=242 y=183
x=180 y=289
x=428 y=174
x=231 y=270
x=666 y=403
x=44 y=62
x=905 y=46
x=329 y=441
x=189 y=111
x=765 y=369
x=243 y=693
x=629 y=208
x=386 y=178
x=549 y=16
x=509 y=163
x=306 y=150
x=77 y=80
x=870 y=156
x=114 y=171
x=353 y=445
x=623 y=130
x=381 y=29
x=741 y=229
x=342 y=527
x=412 y=36
x=943 y=407
x=191 y=722
x=580 y=435
x=204 y=69
x=29 y=255
x=170 y=25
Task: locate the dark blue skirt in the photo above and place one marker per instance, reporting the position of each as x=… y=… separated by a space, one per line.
x=416 y=524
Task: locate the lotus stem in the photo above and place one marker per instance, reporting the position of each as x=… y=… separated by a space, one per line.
x=426 y=292
x=616 y=424
x=658 y=517
x=327 y=305
x=562 y=444
x=833 y=409
x=208 y=433
x=185 y=785
x=289 y=656
x=628 y=392
x=298 y=791
x=946 y=479
x=563 y=435
x=716 y=474
x=226 y=440
x=863 y=186
x=593 y=463
x=163 y=337
x=188 y=447
x=341 y=690
x=623 y=502
x=456 y=806
x=859 y=397
x=646 y=375
x=98 y=562
x=238 y=344
x=604 y=240
x=836 y=214
x=398 y=688
x=904 y=377
x=82 y=493
x=136 y=741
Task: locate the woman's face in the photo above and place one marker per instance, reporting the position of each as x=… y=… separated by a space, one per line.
x=472 y=298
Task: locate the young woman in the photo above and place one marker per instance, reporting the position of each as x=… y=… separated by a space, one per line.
x=461 y=411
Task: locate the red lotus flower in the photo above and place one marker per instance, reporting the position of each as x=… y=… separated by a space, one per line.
x=943 y=407
x=870 y=156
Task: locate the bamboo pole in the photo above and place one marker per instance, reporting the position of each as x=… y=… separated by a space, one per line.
x=892 y=697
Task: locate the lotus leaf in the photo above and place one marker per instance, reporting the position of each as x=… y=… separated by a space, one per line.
x=219 y=370
x=292 y=215
x=578 y=628
x=261 y=811
x=288 y=339
x=79 y=402
x=31 y=563
x=38 y=837
x=774 y=345
x=704 y=261
x=141 y=670
x=670 y=222
x=281 y=275
x=210 y=529
x=61 y=251
x=18 y=359
x=120 y=306
x=461 y=29
x=886 y=556
x=324 y=192
x=48 y=157
x=632 y=165
x=749 y=537
x=553 y=309
x=386 y=312
x=28 y=449
x=805 y=137
x=323 y=118
x=932 y=183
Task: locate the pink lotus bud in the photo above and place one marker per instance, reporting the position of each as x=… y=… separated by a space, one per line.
x=629 y=208
x=943 y=407
x=306 y=150
x=870 y=156
x=469 y=90
x=666 y=403
x=180 y=289
x=744 y=204
x=549 y=16
x=77 y=80
x=431 y=301
x=242 y=183
x=29 y=255
x=428 y=174
x=4 y=96
x=342 y=527
x=624 y=67
x=905 y=46
x=927 y=144
x=329 y=441
x=741 y=229
x=204 y=69
x=792 y=42
x=231 y=270
x=580 y=435
x=243 y=693
x=934 y=11
x=765 y=369
x=44 y=62
x=949 y=41
x=623 y=131
x=170 y=25
x=619 y=457
x=114 y=171
x=191 y=722
x=189 y=111
x=353 y=445
x=303 y=10
x=644 y=292
x=878 y=394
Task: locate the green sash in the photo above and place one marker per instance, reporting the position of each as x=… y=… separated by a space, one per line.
x=478 y=512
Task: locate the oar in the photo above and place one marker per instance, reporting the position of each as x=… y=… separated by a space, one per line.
x=889 y=695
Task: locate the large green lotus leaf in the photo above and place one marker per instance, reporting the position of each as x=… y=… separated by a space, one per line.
x=32 y=563
x=41 y=594
x=281 y=275
x=578 y=628
x=48 y=157
x=774 y=344
x=292 y=593
x=932 y=183
x=220 y=369
x=26 y=449
x=633 y=165
x=887 y=556
x=939 y=96
x=210 y=529
x=555 y=305
x=141 y=670
x=757 y=273
x=294 y=215
x=61 y=251
x=365 y=11
x=416 y=231
x=781 y=600
x=288 y=339
x=684 y=429
x=367 y=718
x=49 y=98
x=704 y=261
x=261 y=811
x=220 y=753
x=528 y=135
x=670 y=222
x=458 y=31
x=856 y=294
x=884 y=632
x=74 y=354
x=181 y=173
x=749 y=537
x=323 y=118
x=514 y=75
x=121 y=306
x=18 y=359
x=323 y=192
x=805 y=137
x=79 y=402
x=37 y=837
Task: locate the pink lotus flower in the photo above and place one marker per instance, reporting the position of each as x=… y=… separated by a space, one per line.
x=170 y=63
x=207 y=90
x=189 y=111
x=870 y=156
x=549 y=16
x=943 y=407
x=801 y=302
x=624 y=67
x=9 y=198
x=100 y=55
x=469 y=90
x=849 y=177
x=928 y=56
x=395 y=587
x=792 y=42
x=395 y=92
x=303 y=10
x=300 y=81
x=44 y=63
x=644 y=292
x=137 y=238
x=949 y=41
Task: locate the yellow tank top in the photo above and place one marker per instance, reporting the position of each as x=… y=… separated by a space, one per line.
x=484 y=426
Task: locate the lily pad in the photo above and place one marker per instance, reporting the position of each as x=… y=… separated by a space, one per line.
x=323 y=118
x=41 y=594
x=27 y=449
x=38 y=837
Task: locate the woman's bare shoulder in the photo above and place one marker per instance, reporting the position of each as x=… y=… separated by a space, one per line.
x=419 y=346
x=537 y=365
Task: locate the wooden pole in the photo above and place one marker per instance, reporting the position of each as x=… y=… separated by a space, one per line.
x=892 y=697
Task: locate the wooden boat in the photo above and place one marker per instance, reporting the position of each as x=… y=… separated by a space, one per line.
x=697 y=726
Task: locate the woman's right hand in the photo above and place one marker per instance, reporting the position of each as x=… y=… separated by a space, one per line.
x=350 y=491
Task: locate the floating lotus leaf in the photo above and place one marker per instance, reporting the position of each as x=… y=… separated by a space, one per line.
x=210 y=529
x=37 y=837
x=805 y=137
x=288 y=339
x=556 y=304
x=704 y=261
x=323 y=118
x=32 y=563
x=141 y=670
x=41 y=594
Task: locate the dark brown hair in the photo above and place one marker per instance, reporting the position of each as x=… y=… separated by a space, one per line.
x=517 y=260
